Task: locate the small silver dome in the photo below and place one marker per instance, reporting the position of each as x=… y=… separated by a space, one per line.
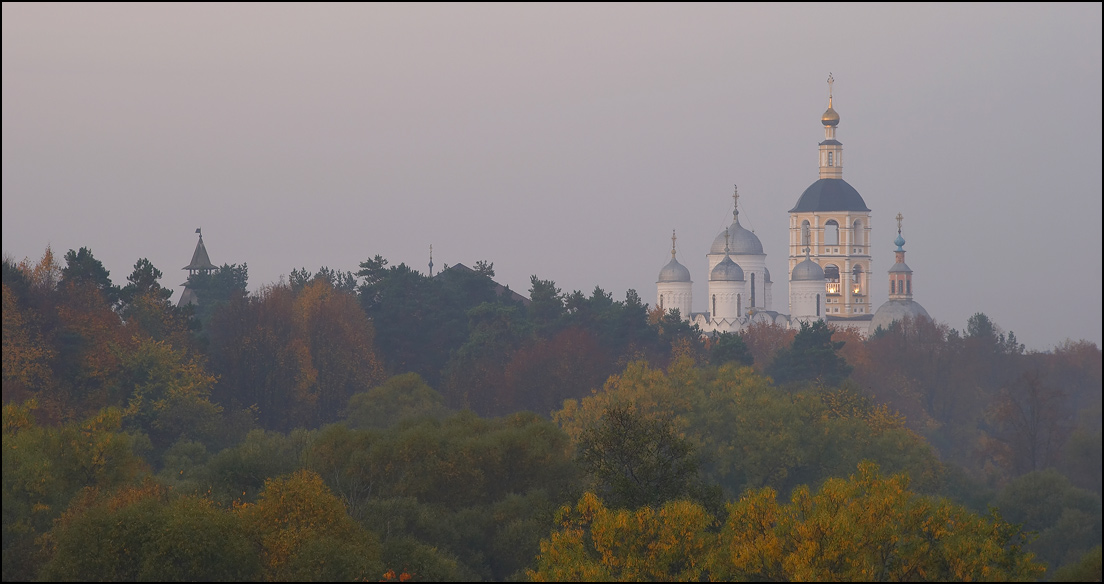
x=727 y=271
x=807 y=271
x=896 y=310
x=740 y=241
x=674 y=272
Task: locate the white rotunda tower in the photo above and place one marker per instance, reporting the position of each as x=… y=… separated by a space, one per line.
x=674 y=287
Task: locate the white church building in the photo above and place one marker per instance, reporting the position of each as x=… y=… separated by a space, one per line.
x=829 y=263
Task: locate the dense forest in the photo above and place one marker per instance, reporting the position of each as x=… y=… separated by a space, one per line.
x=388 y=425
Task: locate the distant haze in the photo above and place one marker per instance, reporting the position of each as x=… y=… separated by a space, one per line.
x=565 y=141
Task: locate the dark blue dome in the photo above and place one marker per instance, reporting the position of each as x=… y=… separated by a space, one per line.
x=830 y=194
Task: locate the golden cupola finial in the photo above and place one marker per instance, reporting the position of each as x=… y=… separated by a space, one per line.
x=830 y=117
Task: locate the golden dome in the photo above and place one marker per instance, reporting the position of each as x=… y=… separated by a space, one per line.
x=830 y=117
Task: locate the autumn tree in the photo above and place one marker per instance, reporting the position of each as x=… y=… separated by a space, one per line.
x=27 y=358
x=296 y=357
x=544 y=372
x=764 y=341
x=865 y=528
x=305 y=534
x=593 y=543
x=45 y=467
x=1033 y=423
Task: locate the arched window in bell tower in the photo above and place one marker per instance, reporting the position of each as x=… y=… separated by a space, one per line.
x=856 y=280
x=832 y=274
x=830 y=159
x=831 y=232
x=892 y=286
x=805 y=232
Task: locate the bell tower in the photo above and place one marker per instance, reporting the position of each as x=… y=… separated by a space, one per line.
x=832 y=220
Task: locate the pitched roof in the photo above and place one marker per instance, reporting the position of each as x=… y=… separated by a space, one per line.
x=200 y=260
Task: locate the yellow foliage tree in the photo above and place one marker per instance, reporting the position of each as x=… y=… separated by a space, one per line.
x=305 y=533
x=594 y=543
x=26 y=356
x=865 y=528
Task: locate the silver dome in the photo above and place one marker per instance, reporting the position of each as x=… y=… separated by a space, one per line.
x=807 y=271
x=674 y=272
x=740 y=241
x=727 y=271
x=894 y=310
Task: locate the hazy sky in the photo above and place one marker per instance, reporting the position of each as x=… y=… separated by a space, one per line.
x=565 y=141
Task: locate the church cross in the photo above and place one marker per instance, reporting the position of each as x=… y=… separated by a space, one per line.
x=899 y=218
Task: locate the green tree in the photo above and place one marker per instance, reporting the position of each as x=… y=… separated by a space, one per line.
x=167 y=394
x=218 y=288
x=145 y=305
x=81 y=268
x=143 y=281
x=546 y=304
x=1087 y=569
x=813 y=357
x=728 y=348
x=400 y=397
x=637 y=461
x=343 y=281
x=1065 y=518
x=474 y=376
x=143 y=533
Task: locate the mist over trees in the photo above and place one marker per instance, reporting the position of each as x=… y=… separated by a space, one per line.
x=385 y=424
